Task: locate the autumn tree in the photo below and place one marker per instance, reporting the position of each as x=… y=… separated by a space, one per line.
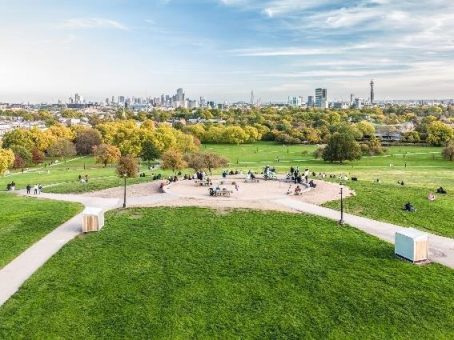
x=19 y=162
x=22 y=153
x=214 y=161
x=173 y=159
x=439 y=133
x=18 y=137
x=205 y=161
x=86 y=140
x=195 y=161
x=106 y=154
x=373 y=147
x=6 y=160
x=366 y=128
x=37 y=156
x=62 y=147
x=127 y=165
x=59 y=131
x=341 y=147
x=150 y=151
x=22 y=156
x=448 y=151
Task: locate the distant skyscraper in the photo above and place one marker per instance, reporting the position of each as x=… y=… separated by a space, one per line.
x=321 y=98
x=372 y=93
x=77 y=99
x=179 y=99
x=203 y=102
x=310 y=101
x=252 y=98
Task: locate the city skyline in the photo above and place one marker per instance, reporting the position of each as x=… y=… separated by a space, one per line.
x=224 y=49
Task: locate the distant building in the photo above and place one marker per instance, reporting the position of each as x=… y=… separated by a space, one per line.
x=310 y=101
x=321 y=98
x=203 y=102
x=340 y=105
x=295 y=101
x=192 y=104
x=358 y=103
x=179 y=99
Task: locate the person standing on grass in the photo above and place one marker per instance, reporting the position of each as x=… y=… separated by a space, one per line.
x=86 y=178
x=35 y=189
x=40 y=188
x=29 y=189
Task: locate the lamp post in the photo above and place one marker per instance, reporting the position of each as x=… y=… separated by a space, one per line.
x=341 y=221
x=124 y=193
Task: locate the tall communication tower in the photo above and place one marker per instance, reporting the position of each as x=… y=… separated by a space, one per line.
x=252 y=98
x=372 y=93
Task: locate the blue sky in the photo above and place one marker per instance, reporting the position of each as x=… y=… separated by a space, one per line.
x=223 y=49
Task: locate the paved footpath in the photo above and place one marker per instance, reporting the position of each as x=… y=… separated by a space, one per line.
x=441 y=249
x=14 y=274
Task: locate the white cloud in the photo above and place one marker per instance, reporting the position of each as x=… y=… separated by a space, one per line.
x=88 y=23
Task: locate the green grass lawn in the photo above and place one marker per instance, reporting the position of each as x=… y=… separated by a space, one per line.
x=64 y=177
x=425 y=171
x=194 y=273
x=385 y=202
x=26 y=220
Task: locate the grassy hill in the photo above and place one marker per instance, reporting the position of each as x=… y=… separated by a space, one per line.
x=188 y=272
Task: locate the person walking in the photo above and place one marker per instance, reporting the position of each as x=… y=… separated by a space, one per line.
x=35 y=189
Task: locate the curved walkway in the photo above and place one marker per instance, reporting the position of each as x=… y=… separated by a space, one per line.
x=13 y=275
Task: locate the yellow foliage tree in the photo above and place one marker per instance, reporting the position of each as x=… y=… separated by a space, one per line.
x=6 y=160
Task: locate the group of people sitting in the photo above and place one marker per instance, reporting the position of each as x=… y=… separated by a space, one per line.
x=431 y=197
x=172 y=179
x=200 y=175
x=250 y=176
x=269 y=173
x=217 y=191
x=157 y=177
x=298 y=177
x=226 y=173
